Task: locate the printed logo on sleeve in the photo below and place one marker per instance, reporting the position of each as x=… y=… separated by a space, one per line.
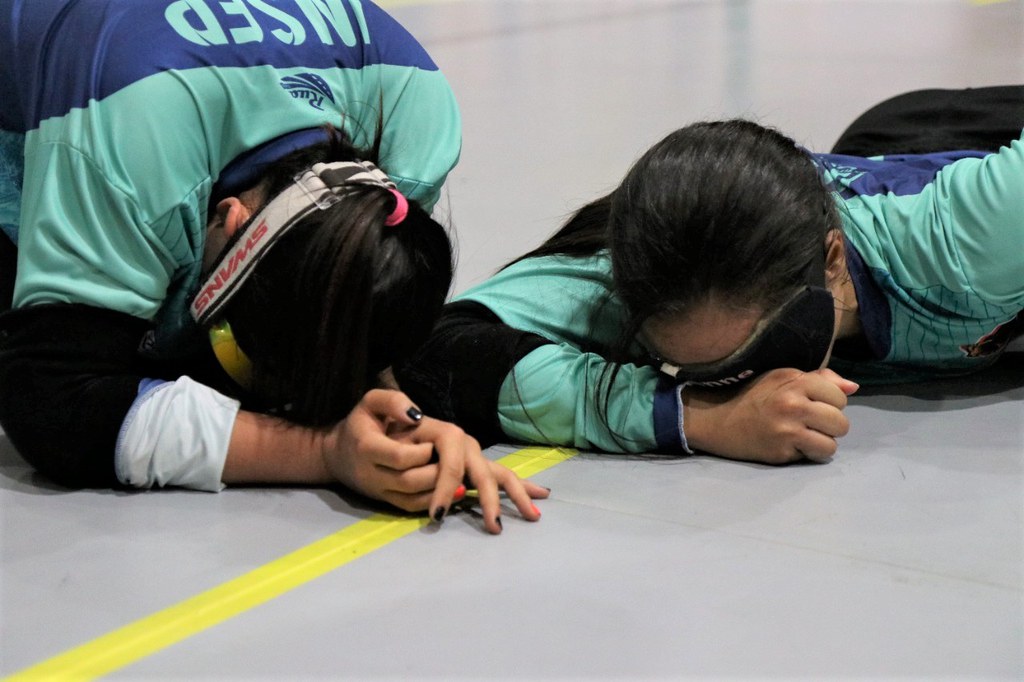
x=310 y=87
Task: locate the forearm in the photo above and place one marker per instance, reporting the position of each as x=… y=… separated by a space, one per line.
x=74 y=406
x=265 y=449
x=561 y=396
x=702 y=409
x=457 y=374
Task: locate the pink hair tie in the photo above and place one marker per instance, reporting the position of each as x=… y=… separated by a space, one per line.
x=401 y=209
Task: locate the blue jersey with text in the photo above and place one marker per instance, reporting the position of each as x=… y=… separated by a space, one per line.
x=122 y=119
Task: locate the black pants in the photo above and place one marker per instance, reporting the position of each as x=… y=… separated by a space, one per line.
x=457 y=374
x=923 y=121
x=8 y=266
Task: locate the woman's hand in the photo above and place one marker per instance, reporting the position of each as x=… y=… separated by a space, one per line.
x=385 y=448
x=779 y=417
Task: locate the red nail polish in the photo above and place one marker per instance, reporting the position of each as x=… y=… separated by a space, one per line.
x=460 y=492
x=535 y=510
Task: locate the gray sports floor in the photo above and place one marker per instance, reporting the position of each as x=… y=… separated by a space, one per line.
x=902 y=558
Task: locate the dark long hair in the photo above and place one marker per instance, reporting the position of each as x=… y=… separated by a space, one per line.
x=725 y=209
x=729 y=209
x=341 y=296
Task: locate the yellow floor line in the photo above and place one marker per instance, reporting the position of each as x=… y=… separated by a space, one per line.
x=148 y=635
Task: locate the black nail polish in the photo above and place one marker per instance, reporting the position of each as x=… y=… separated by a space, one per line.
x=497 y=520
x=439 y=514
x=414 y=413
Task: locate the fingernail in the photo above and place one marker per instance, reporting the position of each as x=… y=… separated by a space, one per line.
x=535 y=510
x=460 y=492
x=497 y=520
x=414 y=413
x=439 y=514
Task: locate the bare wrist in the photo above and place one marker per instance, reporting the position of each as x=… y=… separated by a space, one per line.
x=265 y=449
x=696 y=407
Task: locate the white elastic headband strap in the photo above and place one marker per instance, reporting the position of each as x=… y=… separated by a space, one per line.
x=313 y=190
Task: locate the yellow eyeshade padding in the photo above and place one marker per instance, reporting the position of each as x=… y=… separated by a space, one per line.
x=230 y=356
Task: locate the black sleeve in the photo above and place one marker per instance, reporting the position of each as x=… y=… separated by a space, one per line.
x=457 y=374
x=66 y=385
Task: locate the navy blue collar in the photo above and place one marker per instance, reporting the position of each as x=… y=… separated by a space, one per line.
x=872 y=308
x=247 y=168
